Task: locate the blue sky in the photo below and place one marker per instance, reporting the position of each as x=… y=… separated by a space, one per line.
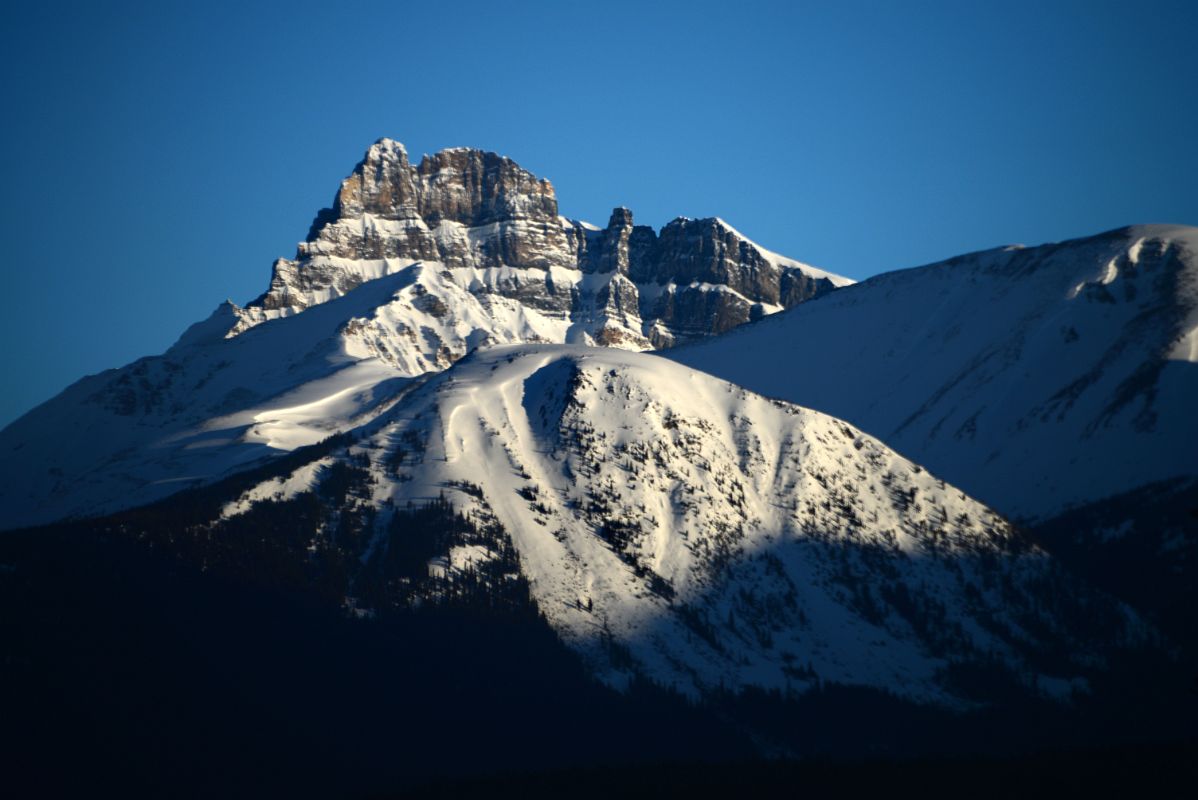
x=157 y=157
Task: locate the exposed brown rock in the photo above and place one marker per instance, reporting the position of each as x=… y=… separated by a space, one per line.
x=468 y=208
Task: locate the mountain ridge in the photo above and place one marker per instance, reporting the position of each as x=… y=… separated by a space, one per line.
x=464 y=208
x=668 y=522
x=1087 y=340
x=130 y=435
x=674 y=527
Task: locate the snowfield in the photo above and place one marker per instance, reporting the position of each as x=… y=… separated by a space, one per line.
x=705 y=519
x=207 y=407
x=676 y=526
x=1034 y=378
x=413 y=268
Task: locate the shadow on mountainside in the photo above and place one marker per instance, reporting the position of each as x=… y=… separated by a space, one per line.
x=1142 y=547
x=151 y=651
x=125 y=668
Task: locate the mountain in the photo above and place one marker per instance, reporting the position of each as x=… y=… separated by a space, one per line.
x=208 y=406
x=492 y=233
x=412 y=268
x=668 y=526
x=1054 y=383
x=410 y=443
x=1037 y=379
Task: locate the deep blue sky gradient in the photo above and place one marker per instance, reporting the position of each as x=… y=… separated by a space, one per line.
x=157 y=157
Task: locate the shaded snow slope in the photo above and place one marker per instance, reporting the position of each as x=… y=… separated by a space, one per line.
x=1034 y=378
x=677 y=526
x=206 y=407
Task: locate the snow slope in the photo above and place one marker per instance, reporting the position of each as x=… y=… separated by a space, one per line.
x=208 y=406
x=213 y=402
x=1033 y=378
x=677 y=526
x=415 y=266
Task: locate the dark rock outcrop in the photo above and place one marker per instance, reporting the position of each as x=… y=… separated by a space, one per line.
x=473 y=210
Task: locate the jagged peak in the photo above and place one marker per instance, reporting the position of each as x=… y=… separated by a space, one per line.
x=711 y=222
x=465 y=206
x=386 y=146
x=214 y=328
x=387 y=149
x=486 y=157
x=461 y=150
x=621 y=216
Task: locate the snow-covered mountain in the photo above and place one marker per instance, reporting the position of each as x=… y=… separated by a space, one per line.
x=507 y=267
x=1036 y=379
x=679 y=527
x=430 y=342
x=463 y=250
x=208 y=406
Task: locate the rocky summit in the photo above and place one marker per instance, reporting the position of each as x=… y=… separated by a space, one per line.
x=955 y=502
x=413 y=267
x=492 y=231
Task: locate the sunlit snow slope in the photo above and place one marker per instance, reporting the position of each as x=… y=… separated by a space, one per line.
x=414 y=266
x=677 y=526
x=1034 y=378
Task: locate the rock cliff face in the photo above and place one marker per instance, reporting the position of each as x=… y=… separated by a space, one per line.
x=413 y=267
x=491 y=230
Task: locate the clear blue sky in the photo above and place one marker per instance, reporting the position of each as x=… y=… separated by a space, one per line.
x=157 y=157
